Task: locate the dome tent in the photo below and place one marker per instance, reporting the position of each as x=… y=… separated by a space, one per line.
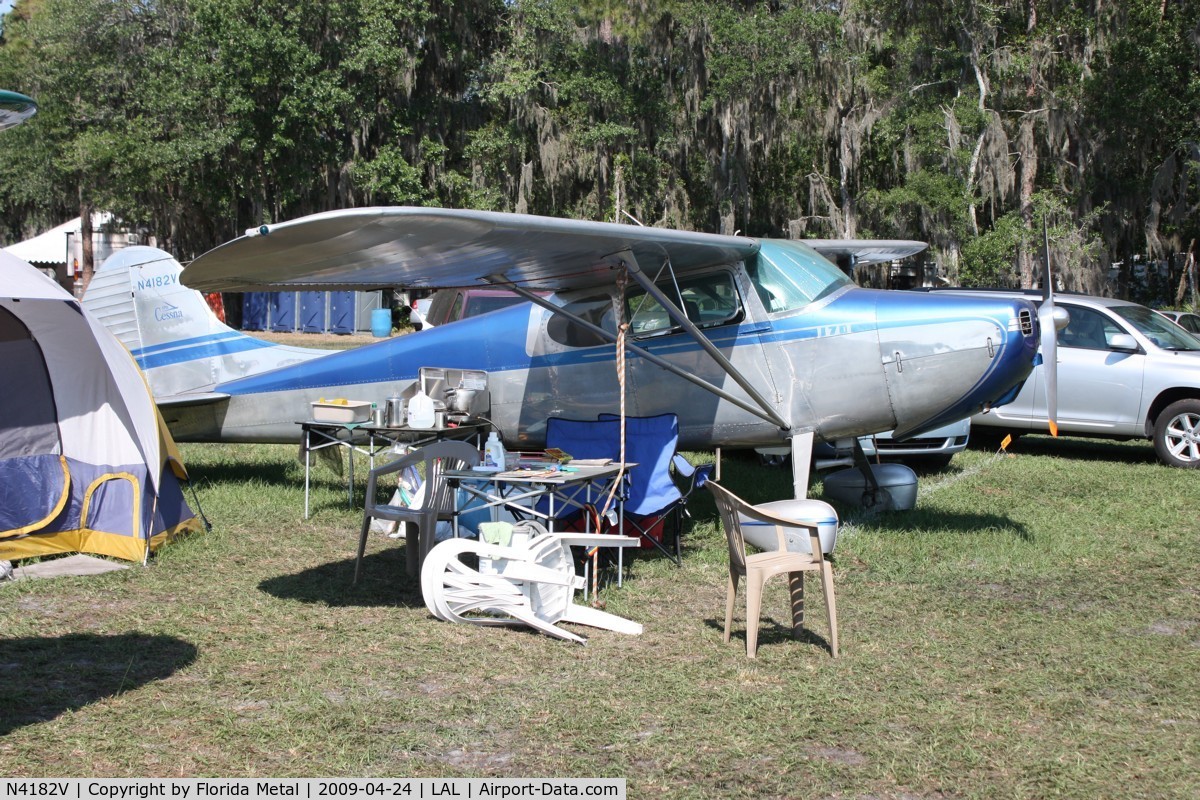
x=86 y=463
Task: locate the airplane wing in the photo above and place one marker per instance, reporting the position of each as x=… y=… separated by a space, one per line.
x=864 y=251
x=373 y=248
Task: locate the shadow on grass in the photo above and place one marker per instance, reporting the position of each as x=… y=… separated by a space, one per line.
x=384 y=581
x=920 y=521
x=1133 y=452
x=328 y=485
x=42 y=677
x=771 y=632
x=270 y=473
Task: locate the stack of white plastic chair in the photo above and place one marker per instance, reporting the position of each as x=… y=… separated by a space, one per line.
x=531 y=581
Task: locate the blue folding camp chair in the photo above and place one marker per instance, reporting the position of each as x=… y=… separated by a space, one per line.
x=582 y=439
x=663 y=480
x=688 y=477
x=653 y=499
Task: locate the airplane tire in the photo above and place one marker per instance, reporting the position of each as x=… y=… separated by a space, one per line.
x=773 y=460
x=1177 y=434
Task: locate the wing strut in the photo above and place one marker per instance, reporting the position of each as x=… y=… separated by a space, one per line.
x=762 y=410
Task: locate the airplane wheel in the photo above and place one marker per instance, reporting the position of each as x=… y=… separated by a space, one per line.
x=877 y=500
x=1177 y=434
x=773 y=460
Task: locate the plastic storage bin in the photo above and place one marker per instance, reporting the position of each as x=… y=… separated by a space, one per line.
x=349 y=412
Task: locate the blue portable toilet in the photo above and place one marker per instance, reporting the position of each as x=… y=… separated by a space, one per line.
x=283 y=311
x=255 y=306
x=312 y=312
x=341 y=312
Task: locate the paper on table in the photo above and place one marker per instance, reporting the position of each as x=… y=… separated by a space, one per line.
x=529 y=473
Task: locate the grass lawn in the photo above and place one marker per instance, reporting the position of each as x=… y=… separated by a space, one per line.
x=1031 y=630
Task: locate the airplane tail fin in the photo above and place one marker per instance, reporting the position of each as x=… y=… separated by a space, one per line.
x=172 y=332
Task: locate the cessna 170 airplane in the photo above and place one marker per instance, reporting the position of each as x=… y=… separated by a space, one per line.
x=751 y=342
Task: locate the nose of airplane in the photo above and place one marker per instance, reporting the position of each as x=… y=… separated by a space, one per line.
x=945 y=357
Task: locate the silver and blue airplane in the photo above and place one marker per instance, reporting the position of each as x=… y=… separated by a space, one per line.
x=751 y=342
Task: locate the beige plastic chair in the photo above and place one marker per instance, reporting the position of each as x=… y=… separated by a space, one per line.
x=760 y=567
x=437 y=503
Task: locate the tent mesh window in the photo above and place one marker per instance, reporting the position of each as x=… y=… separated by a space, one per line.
x=27 y=417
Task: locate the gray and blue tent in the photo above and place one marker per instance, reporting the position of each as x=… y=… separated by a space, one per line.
x=86 y=463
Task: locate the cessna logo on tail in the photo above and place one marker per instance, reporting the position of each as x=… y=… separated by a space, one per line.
x=167 y=311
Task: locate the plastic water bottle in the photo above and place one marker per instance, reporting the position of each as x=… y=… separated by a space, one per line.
x=420 y=411
x=493 y=452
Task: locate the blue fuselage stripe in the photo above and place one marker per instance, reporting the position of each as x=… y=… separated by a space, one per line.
x=197 y=340
x=207 y=347
x=496 y=343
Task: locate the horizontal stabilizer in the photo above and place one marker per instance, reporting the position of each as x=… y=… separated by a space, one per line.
x=195 y=399
x=15 y=108
x=176 y=338
x=852 y=252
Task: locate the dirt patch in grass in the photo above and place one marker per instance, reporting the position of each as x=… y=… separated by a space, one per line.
x=324 y=341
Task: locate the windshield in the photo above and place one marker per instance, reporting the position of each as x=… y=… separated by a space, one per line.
x=789 y=275
x=1156 y=328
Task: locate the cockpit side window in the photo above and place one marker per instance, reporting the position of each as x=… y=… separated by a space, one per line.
x=597 y=310
x=789 y=275
x=708 y=300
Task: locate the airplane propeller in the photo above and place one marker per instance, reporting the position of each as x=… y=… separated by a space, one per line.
x=1051 y=320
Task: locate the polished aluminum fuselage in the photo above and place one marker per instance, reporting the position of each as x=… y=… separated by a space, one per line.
x=856 y=362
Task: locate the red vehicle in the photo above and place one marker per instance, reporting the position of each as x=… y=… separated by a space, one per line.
x=451 y=305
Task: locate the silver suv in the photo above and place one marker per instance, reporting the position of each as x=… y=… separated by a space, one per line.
x=1124 y=372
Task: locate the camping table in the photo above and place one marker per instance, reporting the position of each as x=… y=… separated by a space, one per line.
x=520 y=489
x=368 y=439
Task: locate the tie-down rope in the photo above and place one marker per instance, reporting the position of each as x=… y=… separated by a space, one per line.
x=622 y=329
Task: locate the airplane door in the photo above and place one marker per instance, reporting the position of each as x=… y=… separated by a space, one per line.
x=1099 y=390
x=711 y=300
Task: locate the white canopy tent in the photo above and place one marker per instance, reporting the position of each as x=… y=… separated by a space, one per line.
x=51 y=247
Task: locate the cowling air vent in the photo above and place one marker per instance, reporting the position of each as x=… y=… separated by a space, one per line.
x=1025 y=318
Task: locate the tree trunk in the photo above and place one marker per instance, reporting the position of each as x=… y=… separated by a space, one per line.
x=1027 y=148
x=846 y=160
x=86 y=245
